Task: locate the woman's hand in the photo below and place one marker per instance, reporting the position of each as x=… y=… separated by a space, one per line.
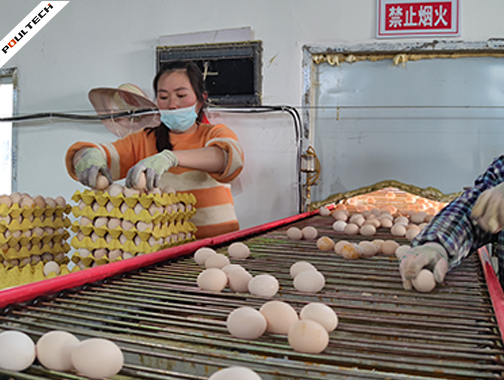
x=153 y=167
x=88 y=164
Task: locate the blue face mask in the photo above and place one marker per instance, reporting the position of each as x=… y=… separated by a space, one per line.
x=179 y=120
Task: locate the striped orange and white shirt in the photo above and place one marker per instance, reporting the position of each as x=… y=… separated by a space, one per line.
x=215 y=213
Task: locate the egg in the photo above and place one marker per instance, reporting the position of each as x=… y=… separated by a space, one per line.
x=142 y=182
x=54 y=350
x=6 y=200
x=386 y=223
x=320 y=313
x=309 y=281
x=309 y=233
x=308 y=336
x=17 y=350
x=100 y=221
x=238 y=250
x=99 y=253
x=39 y=201
x=357 y=219
x=202 y=254
x=294 y=233
x=325 y=243
x=232 y=267
x=401 y=220
x=419 y=217
x=367 y=230
x=263 y=285
x=368 y=249
x=412 y=233
x=101 y=182
x=97 y=358
x=351 y=251
x=130 y=192
x=114 y=190
x=398 y=229
x=238 y=280
x=212 y=279
x=378 y=243
x=389 y=247
x=280 y=316
x=339 y=245
x=235 y=373
x=246 y=323
x=113 y=223
x=339 y=226
x=324 y=211
x=300 y=266
x=424 y=282
x=351 y=229
x=340 y=215
x=216 y=261
x=51 y=267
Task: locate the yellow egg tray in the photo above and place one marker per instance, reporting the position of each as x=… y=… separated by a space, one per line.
x=129 y=245
x=15 y=210
x=164 y=199
x=130 y=214
x=23 y=240
x=15 y=276
x=10 y=253
x=26 y=224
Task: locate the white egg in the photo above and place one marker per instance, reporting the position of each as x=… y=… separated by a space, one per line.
x=412 y=232
x=310 y=281
x=212 y=279
x=309 y=233
x=202 y=254
x=357 y=219
x=97 y=358
x=231 y=267
x=339 y=226
x=235 y=373
x=398 y=229
x=419 y=217
x=216 y=261
x=386 y=223
x=367 y=230
x=300 y=266
x=351 y=251
x=351 y=229
x=389 y=247
x=424 y=282
x=324 y=211
x=238 y=250
x=340 y=215
x=51 y=267
x=238 y=280
x=54 y=350
x=294 y=233
x=308 y=337
x=264 y=285
x=320 y=313
x=368 y=249
x=246 y=323
x=279 y=315
x=17 y=350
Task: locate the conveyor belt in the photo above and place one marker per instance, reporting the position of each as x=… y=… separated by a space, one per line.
x=169 y=329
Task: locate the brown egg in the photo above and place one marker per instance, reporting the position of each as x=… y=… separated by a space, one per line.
x=101 y=182
x=15 y=197
x=339 y=215
x=50 y=202
x=26 y=201
x=351 y=229
x=129 y=192
x=367 y=230
x=100 y=221
x=398 y=230
x=294 y=233
x=142 y=182
x=99 y=253
x=84 y=221
x=115 y=254
x=309 y=233
x=39 y=201
x=6 y=200
x=115 y=190
x=169 y=189
x=60 y=201
x=113 y=223
x=389 y=247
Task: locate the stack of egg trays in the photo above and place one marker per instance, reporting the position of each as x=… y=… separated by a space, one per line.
x=29 y=238
x=169 y=216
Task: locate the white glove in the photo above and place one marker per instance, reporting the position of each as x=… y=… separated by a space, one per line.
x=488 y=210
x=430 y=255
x=89 y=165
x=154 y=167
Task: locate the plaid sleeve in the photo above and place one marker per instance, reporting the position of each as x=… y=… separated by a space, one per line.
x=453 y=227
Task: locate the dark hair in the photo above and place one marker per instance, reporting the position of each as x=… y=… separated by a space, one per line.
x=198 y=84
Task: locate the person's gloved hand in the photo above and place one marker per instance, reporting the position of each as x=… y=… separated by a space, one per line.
x=431 y=256
x=154 y=167
x=489 y=209
x=89 y=165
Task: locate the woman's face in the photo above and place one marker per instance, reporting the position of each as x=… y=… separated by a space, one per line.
x=175 y=91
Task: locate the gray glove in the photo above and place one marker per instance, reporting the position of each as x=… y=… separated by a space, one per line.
x=90 y=164
x=430 y=255
x=154 y=167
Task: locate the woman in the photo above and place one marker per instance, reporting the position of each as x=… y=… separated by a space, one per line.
x=183 y=151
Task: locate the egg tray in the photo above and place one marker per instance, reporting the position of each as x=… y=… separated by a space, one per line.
x=16 y=276
x=164 y=199
x=24 y=241
x=15 y=210
x=27 y=224
x=129 y=246
x=38 y=250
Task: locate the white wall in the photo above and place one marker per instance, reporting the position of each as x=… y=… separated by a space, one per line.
x=93 y=43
